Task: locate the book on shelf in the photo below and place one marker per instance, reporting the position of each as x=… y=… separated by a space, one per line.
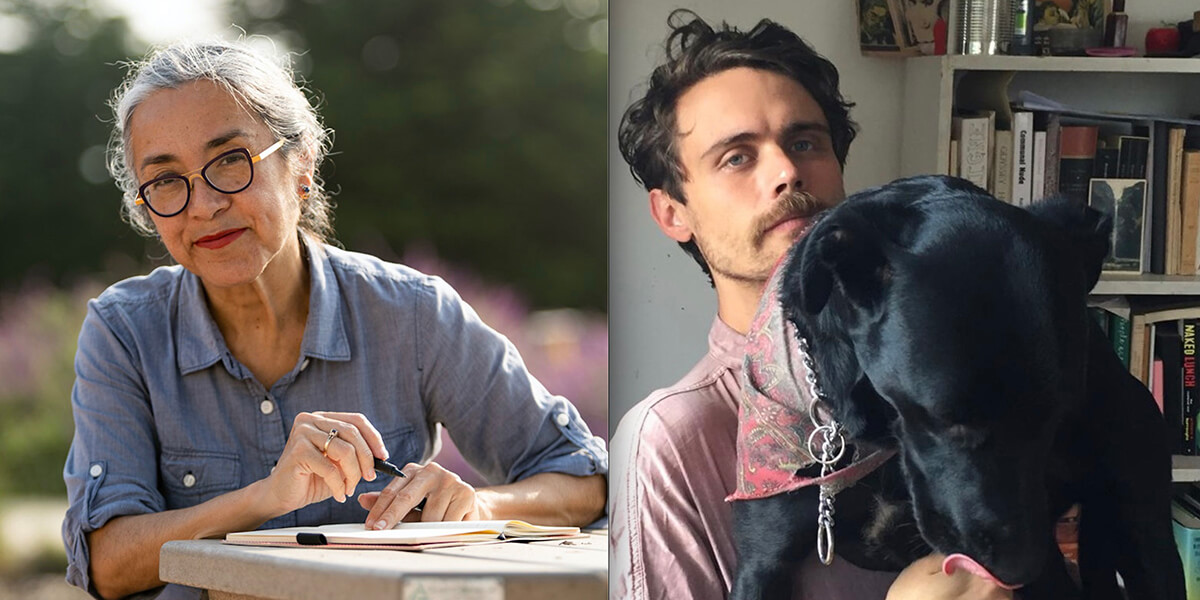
x=1185 y=524
x=1001 y=172
x=1191 y=396
x=1052 y=124
x=1132 y=153
x=1174 y=201
x=1125 y=201
x=1107 y=157
x=1141 y=312
x=1038 y=178
x=973 y=131
x=403 y=536
x=1189 y=199
x=1157 y=213
x=1120 y=330
x=953 y=171
x=1169 y=348
x=1077 y=153
x=1022 y=158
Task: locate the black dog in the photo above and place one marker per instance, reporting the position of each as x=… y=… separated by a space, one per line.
x=953 y=327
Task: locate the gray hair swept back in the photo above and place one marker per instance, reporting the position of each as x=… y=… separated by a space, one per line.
x=265 y=87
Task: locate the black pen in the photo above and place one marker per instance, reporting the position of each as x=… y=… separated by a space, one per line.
x=387 y=467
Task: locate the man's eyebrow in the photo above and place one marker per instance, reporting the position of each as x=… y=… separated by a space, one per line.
x=804 y=127
x=216 y=142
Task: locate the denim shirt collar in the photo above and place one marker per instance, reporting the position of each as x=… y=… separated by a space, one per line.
x=201 y=345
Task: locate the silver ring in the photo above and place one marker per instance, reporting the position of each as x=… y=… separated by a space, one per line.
x=332 y=434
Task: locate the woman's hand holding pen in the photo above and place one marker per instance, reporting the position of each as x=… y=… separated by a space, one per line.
x=316 y=465
x=447 y=498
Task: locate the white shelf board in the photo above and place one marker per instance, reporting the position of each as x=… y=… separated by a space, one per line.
x=1185 y=468
x=1066 y=63
x=1147 y=284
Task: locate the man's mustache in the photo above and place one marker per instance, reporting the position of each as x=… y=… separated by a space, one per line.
x=792 y=205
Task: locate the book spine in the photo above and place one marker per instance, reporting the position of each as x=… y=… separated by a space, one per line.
x=1187 y=541
x=973 y=151
x=1053 y=152
x=953 y=158
x=1075 y=163
x=1001 y=186
x=1120 y=329
x=1022 y=158
x=1190 y=400
x=1173 y=187
x=1154 y=244
x=1037 y=182
x=1189 y=197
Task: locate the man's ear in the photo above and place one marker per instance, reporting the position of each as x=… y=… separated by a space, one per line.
x=671 y=216
x=842 y=252
x=1088 y=231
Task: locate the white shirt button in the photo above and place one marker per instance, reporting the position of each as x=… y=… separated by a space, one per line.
x=304 y=365
x=562 y=419
x=189 y=480
x=95 y=471
x=267 y=407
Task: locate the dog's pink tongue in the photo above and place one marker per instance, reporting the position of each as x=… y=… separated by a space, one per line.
x=968 y=564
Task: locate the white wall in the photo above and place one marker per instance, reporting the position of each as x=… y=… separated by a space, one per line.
x=660 y=303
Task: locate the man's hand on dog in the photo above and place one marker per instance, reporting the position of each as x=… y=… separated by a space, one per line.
x=924 y=580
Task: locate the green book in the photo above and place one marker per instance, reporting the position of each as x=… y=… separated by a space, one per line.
x=1119 y=330
x=1186 y=527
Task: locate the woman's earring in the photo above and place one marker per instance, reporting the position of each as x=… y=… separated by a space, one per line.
x=304 y=190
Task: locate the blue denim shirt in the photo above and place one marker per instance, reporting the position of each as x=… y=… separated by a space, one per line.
x=166 y=417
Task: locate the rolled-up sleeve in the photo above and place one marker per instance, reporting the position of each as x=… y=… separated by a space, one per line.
x=505 y=423
x=110 y=470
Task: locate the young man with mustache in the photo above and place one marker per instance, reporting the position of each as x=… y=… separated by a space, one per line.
x=740 y=139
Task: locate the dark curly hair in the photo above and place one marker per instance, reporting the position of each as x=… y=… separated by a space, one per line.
x=647 y=134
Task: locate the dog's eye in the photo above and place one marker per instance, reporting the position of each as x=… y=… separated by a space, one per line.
x=965 y=436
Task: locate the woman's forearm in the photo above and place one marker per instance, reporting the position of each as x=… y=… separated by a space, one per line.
x=547 y=499
x=124 y=552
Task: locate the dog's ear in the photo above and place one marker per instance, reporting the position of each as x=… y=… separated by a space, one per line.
x=1088 y=231
x=842 y=250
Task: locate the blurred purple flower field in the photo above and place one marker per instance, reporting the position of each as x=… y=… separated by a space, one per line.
x=567 y=350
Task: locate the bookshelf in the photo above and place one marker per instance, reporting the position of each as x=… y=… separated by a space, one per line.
x=1158 y=86
x=1149 y=86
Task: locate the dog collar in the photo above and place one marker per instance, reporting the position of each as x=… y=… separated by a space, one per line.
x=783 y=425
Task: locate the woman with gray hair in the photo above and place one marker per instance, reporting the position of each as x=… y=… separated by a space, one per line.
x=255 y=383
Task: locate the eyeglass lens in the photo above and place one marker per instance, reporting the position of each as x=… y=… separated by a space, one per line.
x=228 y=173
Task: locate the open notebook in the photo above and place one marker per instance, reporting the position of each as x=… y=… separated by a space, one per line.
x=404 y=536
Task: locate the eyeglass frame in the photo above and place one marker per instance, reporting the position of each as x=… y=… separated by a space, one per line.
x=188 y=177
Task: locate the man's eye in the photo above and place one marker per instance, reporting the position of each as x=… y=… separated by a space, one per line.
x=802 y=145
x=736 y=160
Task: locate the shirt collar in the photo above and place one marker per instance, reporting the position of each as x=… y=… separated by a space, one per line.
x=200 y=343
x=726 y=344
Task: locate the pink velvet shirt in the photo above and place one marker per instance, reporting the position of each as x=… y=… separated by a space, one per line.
x=673 y=462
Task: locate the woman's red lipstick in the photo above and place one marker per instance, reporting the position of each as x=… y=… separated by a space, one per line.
x=220 y=239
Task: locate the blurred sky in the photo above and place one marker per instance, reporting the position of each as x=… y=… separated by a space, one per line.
x=158 y=21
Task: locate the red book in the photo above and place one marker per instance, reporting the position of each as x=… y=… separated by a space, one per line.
x=1077 y=153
